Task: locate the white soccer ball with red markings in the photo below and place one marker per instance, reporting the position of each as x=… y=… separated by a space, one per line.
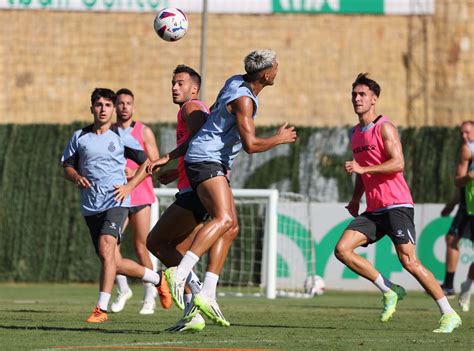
x=314 y=285
x=171 y=24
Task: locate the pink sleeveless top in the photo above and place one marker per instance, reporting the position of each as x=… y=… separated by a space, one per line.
x=143 y=193
x=381 y=190
x=182 y=134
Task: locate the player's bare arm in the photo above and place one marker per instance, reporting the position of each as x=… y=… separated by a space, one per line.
x=150 y=147
x=462 y=175
x=149 y=140
x=354 y=204
x=72 y=175
x=168 y=176
x=394 y=153
x=449 y=207
x=122 y=191
x=194 y=117
x=242 y=108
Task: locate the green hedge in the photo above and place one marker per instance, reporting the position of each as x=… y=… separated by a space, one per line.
x=43 y=235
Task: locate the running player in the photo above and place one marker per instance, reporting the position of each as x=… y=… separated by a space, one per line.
x=141 y=199
x=465 y=181
x=460 y=226
x=94 y=160
x=175 y=230
x=378 y=164
x=209 y=158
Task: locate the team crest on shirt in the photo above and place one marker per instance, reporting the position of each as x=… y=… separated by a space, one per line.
x=111 y=147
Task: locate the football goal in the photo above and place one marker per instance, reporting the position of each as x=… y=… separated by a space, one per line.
x=251 y=265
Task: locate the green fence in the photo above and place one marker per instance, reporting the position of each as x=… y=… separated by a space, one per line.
x=43 y=235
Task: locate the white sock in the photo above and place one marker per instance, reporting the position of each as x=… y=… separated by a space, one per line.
x=444 y=306
x=194 y=283
x=210 y=285
x=122 y=283
x=149 y=291
x=151 y=277
x=383 y=283
x=187 y=263
x=104 y=299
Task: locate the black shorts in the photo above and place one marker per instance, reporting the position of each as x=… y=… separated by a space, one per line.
x=109 y=222
x=190 y=201
x=201 y=171
x=461 y=225
x=396 y=222
x=136 y=209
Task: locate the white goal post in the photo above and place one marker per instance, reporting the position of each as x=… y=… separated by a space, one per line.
x=268 y=272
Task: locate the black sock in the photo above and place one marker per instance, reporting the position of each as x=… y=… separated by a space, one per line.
x=448 y=280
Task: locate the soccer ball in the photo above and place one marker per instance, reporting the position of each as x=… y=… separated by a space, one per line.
x=171 y=24
x=314 y=285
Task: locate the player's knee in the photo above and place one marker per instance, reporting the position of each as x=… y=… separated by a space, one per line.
x=410 y=264
x=232 y=233
x=227 y=222
x=341 y=253
x=106 y=250
x=154 y=246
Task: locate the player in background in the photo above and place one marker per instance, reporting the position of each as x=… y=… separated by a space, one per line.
x=94 y=160
x=378 y=164
x=209 y=158
x=465 y=181
x=175 y=230
x=460 y=227
x=141 y=199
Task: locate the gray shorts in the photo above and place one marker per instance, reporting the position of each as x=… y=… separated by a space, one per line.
x=461 y=225
x=397 y=223
x=191 y=202
x=136 y=209
x=108 y=222
x=201 y=171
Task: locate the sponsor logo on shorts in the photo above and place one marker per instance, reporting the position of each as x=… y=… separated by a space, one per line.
x=399 y=233
x=113 y=225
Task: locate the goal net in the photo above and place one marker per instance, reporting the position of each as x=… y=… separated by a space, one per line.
x=258 y=263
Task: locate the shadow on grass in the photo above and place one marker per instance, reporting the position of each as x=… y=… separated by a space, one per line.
x=364 y=308
x=105 y=331
x=281 y=326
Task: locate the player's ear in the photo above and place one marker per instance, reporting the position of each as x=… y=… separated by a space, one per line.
x=374 y=99
x=194 y=90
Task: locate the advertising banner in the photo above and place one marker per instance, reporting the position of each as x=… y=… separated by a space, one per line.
x=308 y=233
x=383 y=7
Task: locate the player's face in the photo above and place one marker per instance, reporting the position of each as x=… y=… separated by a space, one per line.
x=363 y=99
x=124 y=107
x=183 y=88
x=103 y=110
x=467 y=132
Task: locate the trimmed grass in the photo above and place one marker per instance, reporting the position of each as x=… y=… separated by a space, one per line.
x=51 y=316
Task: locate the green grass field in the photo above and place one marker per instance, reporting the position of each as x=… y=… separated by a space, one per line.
x=51 y=317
